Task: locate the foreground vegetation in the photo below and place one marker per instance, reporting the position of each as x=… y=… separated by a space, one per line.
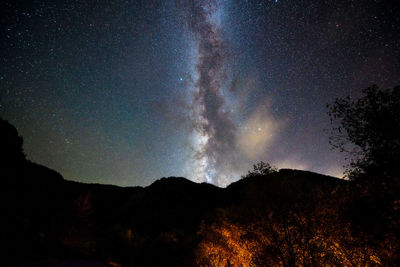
x=283 y=218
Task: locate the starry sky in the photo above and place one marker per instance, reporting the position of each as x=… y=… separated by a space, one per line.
x=125 y=92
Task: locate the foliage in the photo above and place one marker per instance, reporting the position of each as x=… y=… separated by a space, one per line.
x=11 y=144
x=223 y=244
x=305 y=227
x=261 y=169
x=368 y=130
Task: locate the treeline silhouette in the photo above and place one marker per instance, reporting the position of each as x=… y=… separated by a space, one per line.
x=367 y=129
x=268 y=218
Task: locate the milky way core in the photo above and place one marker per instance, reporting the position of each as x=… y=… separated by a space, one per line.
x=213 y=131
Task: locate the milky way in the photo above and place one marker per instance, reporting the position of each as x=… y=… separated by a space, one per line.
x=213 y=129
x=126 y=92
x=222 y=145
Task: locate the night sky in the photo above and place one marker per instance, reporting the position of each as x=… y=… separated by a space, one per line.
x=126 y=92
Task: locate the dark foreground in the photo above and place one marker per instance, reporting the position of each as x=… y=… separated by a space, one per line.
x=288 y=217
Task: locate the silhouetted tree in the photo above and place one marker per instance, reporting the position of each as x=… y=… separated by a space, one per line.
x=368 y=130
x=260 y=168
x=11 y=151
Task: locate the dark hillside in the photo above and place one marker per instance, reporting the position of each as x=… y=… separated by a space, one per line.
x=49 y=217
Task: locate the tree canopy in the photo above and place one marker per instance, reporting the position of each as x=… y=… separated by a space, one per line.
x=368 y=130
x=11 y=144
x=261 y=169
